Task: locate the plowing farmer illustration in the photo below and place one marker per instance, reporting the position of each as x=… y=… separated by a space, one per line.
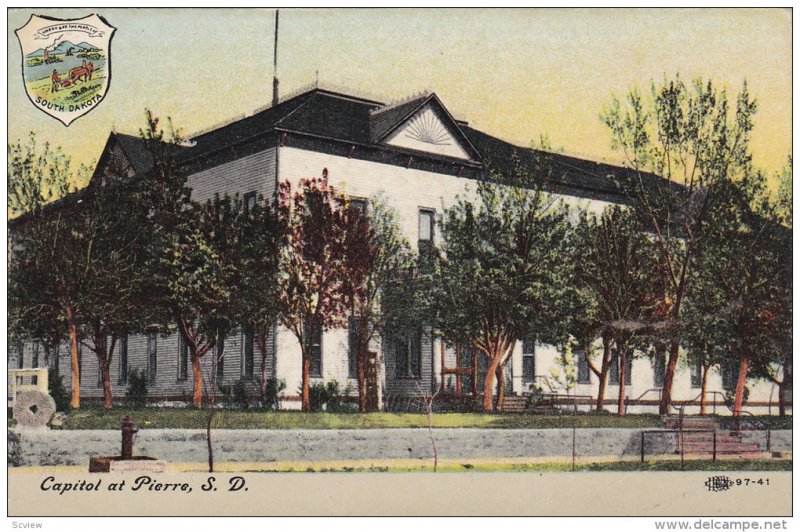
x=81 y=73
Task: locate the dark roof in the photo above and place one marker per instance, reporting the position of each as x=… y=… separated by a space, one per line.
x=343 y=118
x=383 y=120
x=501 y=156
x=135 y=152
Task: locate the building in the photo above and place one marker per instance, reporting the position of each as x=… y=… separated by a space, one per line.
x=417 y=156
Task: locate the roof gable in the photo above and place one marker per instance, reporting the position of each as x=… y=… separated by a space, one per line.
x=422 y=124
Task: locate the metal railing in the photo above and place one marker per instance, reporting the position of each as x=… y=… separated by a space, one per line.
x=680 y=432
x=737 y=423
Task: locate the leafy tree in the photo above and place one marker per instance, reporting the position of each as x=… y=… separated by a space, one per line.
x=783 y=200
x=499 y=276
x=680 y=144
x=318 y=278
x=50 y=250
x=387 y=267
x=114 y=287
x=744 y=282
x=614 y=270
x=260 y=260
x=204 y=279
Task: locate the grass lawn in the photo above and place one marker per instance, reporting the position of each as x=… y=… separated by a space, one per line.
x=187 y=418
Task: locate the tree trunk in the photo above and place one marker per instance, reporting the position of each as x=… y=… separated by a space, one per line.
x=669 y=373
x=488 y=383
x=744 y=367
x=361 y=374
x=76 y=373
x=703 y=389
x=306 y=405
x=104 y=354
x=501 y=387
x=603 y=377
x=197 y=397
x=622 y=375
x=108 y=402
x=262 y=348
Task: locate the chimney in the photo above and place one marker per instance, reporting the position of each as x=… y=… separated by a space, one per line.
x=275 y=65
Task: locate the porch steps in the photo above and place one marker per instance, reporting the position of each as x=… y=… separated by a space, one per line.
x=729 y=443
x=516 y=404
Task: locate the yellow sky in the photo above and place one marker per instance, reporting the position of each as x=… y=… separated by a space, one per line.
x=515 y=74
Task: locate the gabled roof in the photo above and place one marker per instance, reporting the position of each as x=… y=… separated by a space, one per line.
x=384 y=119
x=385 y=122
x=337 y=117
x=135 y=152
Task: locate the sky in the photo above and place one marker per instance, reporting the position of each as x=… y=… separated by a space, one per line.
x=515 y=74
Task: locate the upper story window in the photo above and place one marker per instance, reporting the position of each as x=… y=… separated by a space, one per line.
x=249 y=202
x=427 y=224
x=360 y=204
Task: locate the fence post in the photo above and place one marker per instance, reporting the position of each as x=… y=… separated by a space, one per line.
x=714 y=449
x=641 y=447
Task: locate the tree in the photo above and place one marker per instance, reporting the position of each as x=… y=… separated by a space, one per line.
x=499 y=274
x=50 y=252
x=385 y=263
x=744 y=282
x=204 y=280
x=118 y=244
x=613 y=265
x=260 y=260
x=318 y=281
x=680 y=145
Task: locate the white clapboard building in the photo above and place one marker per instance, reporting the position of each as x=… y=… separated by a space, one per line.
x=419 y=158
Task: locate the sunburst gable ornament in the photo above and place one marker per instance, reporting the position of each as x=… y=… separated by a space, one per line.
x=66 y=64
x=427 y=128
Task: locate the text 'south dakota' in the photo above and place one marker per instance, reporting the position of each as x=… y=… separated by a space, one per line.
x=94 y=100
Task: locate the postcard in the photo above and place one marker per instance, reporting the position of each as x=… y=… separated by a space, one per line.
x=400 y=262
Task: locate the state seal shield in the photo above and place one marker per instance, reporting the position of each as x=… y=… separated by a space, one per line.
x=66 y=64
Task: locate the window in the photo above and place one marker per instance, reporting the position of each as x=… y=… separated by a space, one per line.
x=427 y=220
x=613 y=370
x=659 y=368
x=352 y=354
x=35 y=359
x=123 y=359
x=248 y=352
x=152 y=356
x=20 y=355
x=249 y=202
x=696 y=374
x=408 y=356
x=220 y=357
x=359 y=204
x=583 y=368
x=528 y=360
x=51 y=357
x=183 y=358
x=313 y=332
x=729 y=376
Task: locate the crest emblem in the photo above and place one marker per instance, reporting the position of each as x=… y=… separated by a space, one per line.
x=66 y=64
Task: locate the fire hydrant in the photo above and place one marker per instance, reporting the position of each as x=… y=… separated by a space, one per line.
x=128 y=432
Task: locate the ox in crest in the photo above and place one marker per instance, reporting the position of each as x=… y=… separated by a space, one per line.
x=66 y=64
